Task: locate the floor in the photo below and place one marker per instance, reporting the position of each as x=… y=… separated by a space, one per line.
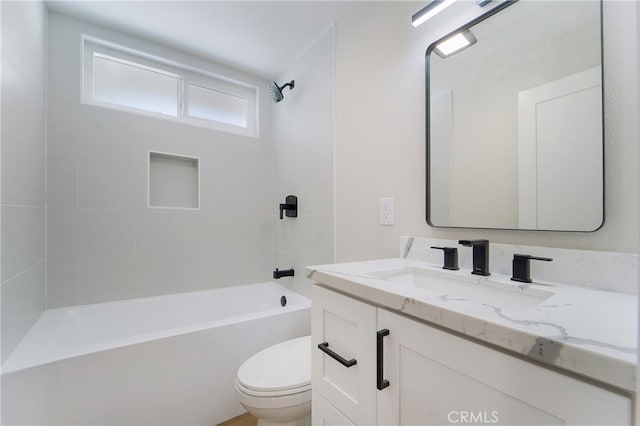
x=245 y=419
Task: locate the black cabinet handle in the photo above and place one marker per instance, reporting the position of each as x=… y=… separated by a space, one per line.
x=324 y=347
x=382 y=383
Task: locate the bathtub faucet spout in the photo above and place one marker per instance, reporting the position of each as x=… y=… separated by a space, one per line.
x=277 y=274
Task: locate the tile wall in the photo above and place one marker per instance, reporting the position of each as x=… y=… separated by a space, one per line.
x=104 y=243
x=23 y=169
x=303 y=135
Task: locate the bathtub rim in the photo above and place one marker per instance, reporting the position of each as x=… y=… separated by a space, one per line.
x=12 y=365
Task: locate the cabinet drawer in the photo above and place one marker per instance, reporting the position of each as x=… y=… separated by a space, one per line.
x=346 y=327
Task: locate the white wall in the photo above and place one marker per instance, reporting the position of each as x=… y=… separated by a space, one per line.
x=23 y=169
x=103 y=242
x=380 y=134
x=303 y=136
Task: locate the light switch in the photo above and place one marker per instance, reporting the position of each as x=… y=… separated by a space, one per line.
x=386 y=211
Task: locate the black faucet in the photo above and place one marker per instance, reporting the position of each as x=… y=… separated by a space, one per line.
x=277 y=274
x=450 y=257
x=522 y=268
x=480 y=255
x=290 y=206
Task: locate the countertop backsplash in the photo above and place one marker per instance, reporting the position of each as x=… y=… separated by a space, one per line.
x=609 y=271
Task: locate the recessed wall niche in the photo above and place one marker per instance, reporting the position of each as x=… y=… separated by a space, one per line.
x=174 y=181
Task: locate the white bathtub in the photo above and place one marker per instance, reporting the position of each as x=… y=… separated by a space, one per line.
x=165 y=360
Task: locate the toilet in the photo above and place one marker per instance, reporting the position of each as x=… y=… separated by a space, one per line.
x=275 y=384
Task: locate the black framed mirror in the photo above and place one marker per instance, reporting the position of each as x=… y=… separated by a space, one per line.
x=515 y=120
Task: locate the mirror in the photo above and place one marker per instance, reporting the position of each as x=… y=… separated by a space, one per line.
x=515 y=120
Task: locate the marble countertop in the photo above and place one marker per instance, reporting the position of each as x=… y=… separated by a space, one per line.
x=589 y=332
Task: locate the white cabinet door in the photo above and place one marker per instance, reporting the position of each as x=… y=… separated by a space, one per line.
x=347 y=327
x=437 y=379
x=325 y=414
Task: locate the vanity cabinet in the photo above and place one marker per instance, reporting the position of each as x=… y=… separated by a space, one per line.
x=347 y=325
x=435 y=377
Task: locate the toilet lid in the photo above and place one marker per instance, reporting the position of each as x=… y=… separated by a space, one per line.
x=286 y=365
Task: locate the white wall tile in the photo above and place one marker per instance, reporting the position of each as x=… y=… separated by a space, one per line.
x=62 y=232
x=23 y=234
x=14 y=87
x=158 y=274
x=23 y=28
x=22 y=111
x=247 y=159
x=22 y=104
x=62 y=281
x=205 y=270
x=248 y=232
x=88 y=133
x=225 y=268
x=80 y=232
x=111 y=186
x=110 y=140
x=107 y=278
x=105 y=232
x=213 y=183
x=102 y=279
x=202 y=231
x=14 y=22
x=306 y=234
x=303 y=164
x=248 y=177
x=62 y=140
x=250 y=196
x=23 y=301
x=62 y=184
x=158 y=232
x=23 y=168
x=169 y=231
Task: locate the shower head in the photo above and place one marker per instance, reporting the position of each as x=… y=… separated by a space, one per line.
x=276 y=91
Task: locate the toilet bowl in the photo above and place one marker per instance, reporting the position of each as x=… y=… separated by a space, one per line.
x=275 y=384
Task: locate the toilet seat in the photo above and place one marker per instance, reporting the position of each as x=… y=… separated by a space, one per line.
x=282 y=369
x=272 y=393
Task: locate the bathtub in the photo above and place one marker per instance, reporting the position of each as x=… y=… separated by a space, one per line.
x=164 y=360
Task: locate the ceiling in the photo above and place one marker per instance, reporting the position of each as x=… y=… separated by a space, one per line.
x=259 y=37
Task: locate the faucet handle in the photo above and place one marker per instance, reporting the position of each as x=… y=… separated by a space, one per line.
x=290 y=206
x=522 y=267
x=471 y=243
x=450 y=257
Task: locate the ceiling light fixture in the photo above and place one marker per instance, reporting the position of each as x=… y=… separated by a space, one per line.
x=429 y=11
x=457 y=42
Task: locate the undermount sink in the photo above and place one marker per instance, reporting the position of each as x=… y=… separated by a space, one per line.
x=468 y=287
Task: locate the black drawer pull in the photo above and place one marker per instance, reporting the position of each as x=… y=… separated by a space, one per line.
x=324 y=347
x=382 y=383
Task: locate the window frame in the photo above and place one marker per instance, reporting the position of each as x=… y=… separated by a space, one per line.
x=184 y=73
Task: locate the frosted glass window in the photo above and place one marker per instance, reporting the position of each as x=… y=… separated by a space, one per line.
x=136 y=82
x=214 y=105
x=126 y=84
